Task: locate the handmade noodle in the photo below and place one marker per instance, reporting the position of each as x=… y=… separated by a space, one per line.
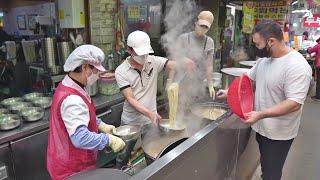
x=173 y=92
x=212 y=113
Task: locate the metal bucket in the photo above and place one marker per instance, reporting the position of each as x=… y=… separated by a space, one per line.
x=64 y=50
x=29 y=51
x=229 y=74
x=49 y=56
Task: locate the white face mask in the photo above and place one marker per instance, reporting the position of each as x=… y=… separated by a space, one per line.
x=140 y=59
x=200 y=30
x=92 y=79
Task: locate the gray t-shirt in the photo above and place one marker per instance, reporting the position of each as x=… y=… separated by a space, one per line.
x=143 y=85
x=198 y=49
x=279 y=79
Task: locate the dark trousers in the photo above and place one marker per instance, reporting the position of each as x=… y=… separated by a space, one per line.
x=273 y=154
x=318 y=84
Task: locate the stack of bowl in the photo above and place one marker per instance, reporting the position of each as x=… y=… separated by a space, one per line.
x=31 y=114
x=11 y=101
x=40 y=103
x=8 y=120
x=38 y=99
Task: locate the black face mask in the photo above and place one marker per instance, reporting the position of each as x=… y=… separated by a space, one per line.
x=262 y=53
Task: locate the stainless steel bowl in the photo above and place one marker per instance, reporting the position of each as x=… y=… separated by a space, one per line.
x=9 y=121
x=32 y=96
x=11 y=101
x=127 y=132
x=32 y=113
x=4 y=111
x=164 y=126
x=43 y=102
x=17 y=107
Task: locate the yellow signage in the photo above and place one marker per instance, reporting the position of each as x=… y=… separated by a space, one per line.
x=61 y=14
x=133 y=12
x=82 y=18
x=263 y=10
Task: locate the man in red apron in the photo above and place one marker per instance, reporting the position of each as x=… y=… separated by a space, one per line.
x=74 y=137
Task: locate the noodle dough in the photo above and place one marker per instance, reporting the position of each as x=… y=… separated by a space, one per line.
x=173 y=92
x=212 y=113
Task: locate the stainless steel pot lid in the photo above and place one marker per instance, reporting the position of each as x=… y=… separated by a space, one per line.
x=248 y=63
x=234 y=71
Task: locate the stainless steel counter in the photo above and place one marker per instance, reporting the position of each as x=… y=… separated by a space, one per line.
x=28 y=144
x=213 y=150
x=102 y=101
x=28 y=128
x=211 y=153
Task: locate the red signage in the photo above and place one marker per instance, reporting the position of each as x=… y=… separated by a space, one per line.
x=313 y=22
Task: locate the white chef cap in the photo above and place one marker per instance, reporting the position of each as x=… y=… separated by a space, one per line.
x=85 y=54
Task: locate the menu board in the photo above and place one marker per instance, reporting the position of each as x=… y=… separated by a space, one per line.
x=263 y=10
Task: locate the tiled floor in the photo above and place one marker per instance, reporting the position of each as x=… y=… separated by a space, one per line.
x=303 y=161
